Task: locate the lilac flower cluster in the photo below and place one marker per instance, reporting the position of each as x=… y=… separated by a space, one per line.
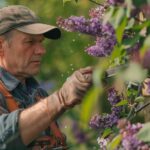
x=98 y=12
x=108 y=120
x=103 y=142
x=105 y=34
x=104 y=44
x=113 y=99
x=103 y=121
x=80 y=24
x=129 y=140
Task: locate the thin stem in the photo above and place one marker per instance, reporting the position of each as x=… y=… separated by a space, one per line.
x=131 y=114
x=95 y=2
x=142 y=107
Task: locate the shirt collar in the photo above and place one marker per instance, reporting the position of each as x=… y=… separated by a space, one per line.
x=12 y=82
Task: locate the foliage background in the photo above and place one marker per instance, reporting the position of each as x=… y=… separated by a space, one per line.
x=62 y=58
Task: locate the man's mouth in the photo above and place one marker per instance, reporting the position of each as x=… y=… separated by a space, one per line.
x=36 y=62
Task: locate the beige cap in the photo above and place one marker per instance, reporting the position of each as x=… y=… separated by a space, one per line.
x=23 y=19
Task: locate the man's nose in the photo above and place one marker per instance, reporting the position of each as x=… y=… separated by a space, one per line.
x=40 y=49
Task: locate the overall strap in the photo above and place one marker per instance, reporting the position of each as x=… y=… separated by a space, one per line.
x=57 y=139
x=11 y=103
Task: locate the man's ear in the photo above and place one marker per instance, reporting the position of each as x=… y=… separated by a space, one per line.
x=1 y=46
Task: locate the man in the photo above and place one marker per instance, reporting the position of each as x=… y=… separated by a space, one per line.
x=21 y=50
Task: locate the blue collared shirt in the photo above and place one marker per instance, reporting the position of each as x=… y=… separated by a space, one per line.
x=25 y=95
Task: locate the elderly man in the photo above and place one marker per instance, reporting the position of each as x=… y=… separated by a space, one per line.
x=27 y=113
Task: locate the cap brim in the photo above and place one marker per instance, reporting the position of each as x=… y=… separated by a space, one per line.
x=48 y=31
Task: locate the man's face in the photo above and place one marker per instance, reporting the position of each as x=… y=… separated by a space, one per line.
x=23 y=54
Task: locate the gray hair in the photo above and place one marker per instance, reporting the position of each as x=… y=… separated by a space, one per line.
x=7 y=36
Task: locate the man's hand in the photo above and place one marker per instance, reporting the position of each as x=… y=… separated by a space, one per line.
x=48 y=109
x=75 y=87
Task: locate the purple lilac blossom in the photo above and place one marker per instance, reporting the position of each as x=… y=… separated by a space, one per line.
x=80 y=24
x=129 y=141
x=103 y=47
x=113 y=97
x=96 y=122
x=103 y=142
x=108 y=120
x=105 y=34
x=97 y=12
x=104 y=44
x=104 y=121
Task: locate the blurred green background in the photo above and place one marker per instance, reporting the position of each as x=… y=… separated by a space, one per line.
x=62 y=58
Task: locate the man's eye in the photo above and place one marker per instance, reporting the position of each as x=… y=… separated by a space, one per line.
x=30 y=41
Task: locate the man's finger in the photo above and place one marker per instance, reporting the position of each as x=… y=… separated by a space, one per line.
x=86 y=70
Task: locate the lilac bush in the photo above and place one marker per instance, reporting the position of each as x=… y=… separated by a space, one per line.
x=121 y=31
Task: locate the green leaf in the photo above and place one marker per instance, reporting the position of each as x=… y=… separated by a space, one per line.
x=139 y=99
x=127 y=43
x=129 y=7
x=145 y=24
x=99 y=72
x=115 y=142
x=128 y=75
x=97 y=76
x=116 y=52
x=139 y=3
x=130 y=23
x=147 y=41
x=146 y=45
x=120 y=30
x=119 y=15
x=144 y=133
x=106 y=132
x=121 y=103
x=88 y=104
x=148 y=1
x=65 y=1
x=109 y=15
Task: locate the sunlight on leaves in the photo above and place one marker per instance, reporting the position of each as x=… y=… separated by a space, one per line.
x=146 y=46
x=88 y=104
x=65 y=1
x=115 y=142
x=120 y=30
x=144 y=133
x=134 y=73
x=121 y=103
x=106 y=132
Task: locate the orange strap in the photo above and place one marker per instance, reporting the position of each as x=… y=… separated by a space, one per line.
x=12 y=105
x=10 y=101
